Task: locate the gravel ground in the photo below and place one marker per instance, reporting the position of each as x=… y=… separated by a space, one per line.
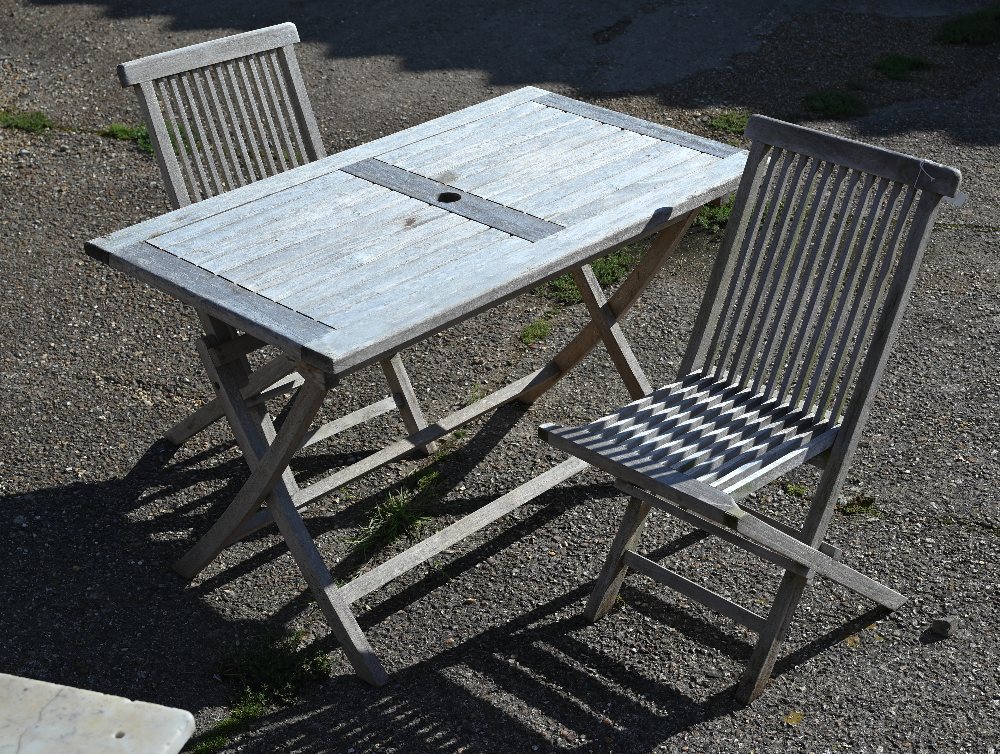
x=486 y=645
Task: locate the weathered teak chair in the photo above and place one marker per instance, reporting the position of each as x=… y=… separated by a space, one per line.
x=788 y=348
x=223 y=114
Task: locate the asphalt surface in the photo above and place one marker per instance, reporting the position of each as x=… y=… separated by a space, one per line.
x=486 y=645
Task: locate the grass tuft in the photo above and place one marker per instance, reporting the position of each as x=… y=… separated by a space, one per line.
x=714 y=218
x=272 y=671
x=609 y=271
x=979 y=28
x=538 y=330
x=796 y=490
x=835 y=105
x=731 y=121
x=899 y=67
x=30 y=121
x=277 y=667
x=137 y=134
x=402 y=513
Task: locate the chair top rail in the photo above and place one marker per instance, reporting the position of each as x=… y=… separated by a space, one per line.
x=912 y=171
x=207 y=53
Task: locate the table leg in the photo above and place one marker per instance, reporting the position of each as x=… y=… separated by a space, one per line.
x=613 y=310
x=268 y=453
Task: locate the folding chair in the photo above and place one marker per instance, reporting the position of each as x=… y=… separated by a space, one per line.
x=787 y=352
x=221 y=115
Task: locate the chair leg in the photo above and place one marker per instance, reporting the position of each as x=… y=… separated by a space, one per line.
x=608 y=583
x=765 y=652
x=406 y=399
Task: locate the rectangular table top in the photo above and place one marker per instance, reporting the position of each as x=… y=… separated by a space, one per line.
x=348 y=259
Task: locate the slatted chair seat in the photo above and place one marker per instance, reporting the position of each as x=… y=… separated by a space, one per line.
x=805 y=298
x=221 y=115
x=699 y=430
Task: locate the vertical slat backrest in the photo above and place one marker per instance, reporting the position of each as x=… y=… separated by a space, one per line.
x=825 y=236
x=225 y=113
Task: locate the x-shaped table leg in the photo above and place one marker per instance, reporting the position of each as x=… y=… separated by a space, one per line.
x=606 y=314
x=268 y=453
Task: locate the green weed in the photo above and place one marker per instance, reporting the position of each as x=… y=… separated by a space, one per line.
x=899 y=67
x=272 y=671
x=30 y=121
x=538 y=330
x=834 y=104
x=402 y=513
x=796 y=490
x=608 y=270
x=714 y=218
x=136 y=134
x=979 y=28
x=731 y=121
x=478 y=392
x=277 y=667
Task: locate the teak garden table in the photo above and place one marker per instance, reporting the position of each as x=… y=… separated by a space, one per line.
x=342 y=262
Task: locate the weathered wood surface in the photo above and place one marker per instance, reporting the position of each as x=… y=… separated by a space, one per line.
x=358 y=258
x=450 y=199
x=207 y=53
x=804 y=301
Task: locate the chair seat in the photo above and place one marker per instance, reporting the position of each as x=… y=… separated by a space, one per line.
x=701 y=429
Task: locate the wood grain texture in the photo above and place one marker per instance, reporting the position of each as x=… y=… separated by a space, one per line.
x=206 y=53
x=614 y=118
x=450 y=199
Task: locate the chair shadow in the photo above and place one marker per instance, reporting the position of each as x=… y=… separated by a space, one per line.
x=92 y=604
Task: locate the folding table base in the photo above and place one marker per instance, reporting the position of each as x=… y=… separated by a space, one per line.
x=271 y=494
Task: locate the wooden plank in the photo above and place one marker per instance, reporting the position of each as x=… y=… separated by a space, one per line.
x=620 y=191
x=696 y=592
x=210 y=293
x=463 y=147
x=403 y=268
x=345 y=422
x=628 y=122
x=301 y=105
x=452 y=200
x=609 y=581
x=268 y=463
x=166 y=159
x=679 y=488
x=255 y=218
x=356 y=277
x=517 y=120
x=206 y=53
x=723 y=533
x=407 y=445
x=451 y=535
x=320 y=257
x=589 y=147
x=894 y=166
x=259 y=103
x=281 y=257
x=614 y=339
x=464 y=289
x=165 y=223
x=570 y=176
x=255 y=166
x=508 y=163
x=756 y=530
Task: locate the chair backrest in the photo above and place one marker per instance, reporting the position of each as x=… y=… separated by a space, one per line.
x=818 y=260
x=225 y=113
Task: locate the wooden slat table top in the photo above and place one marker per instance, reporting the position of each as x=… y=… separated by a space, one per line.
x=350 y=258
